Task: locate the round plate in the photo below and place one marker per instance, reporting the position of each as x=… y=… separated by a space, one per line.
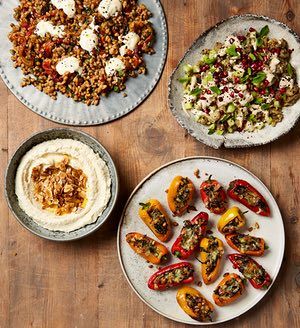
x=67 y=111
x=136 y=269
x=12 y=199
x=233 y=25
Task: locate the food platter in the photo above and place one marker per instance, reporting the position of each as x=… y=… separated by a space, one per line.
x=65 y=110
x=218 y=33
x=137 y=271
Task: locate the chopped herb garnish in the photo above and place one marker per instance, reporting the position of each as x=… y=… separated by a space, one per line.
x=259 y=78
x=216 y=90
x=252 y=57
x=264 y=31
x=231 y=51
x=195 y=92
x=290 y=69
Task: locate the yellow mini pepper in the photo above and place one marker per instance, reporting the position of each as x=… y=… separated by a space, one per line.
x=231 y=221
x=156 y=218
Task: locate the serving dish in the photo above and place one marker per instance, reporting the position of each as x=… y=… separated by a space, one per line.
x=10 y=177
x=65 y=110
x=137 y=271
x=233 y=25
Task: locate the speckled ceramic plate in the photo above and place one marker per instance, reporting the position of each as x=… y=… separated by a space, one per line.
x=137 y=271
x=67 y=111
x=12 y=199
x=208 y=39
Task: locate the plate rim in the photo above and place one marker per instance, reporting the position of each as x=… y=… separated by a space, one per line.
x=140 y=184
x=68 y=122
x=113 y=200
x=172 y=108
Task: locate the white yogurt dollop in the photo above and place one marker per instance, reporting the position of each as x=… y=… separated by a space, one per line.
x=68 y=6
x=88 y=38
x=68 y=65
x=130 y=41
x=114 y=65
x=44 y=27
x=108 y=8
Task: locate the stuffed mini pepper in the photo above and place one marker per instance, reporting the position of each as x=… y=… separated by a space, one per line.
x=245 y=193
x=213 y=196
x=229 y=289
x=211 y=252
x=171 y=276
x=231 y=221
x=251 y=270
x=189 y=239
x=180 y=195
x=156 y=218
x=194 y=304
x=246 y=244
x=147 y=247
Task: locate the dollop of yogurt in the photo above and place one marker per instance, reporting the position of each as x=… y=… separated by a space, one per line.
x=109 y=8
x=88 y=38
x=113 y=65
x=68 y=65
x=68 y=6
x=130 y=41
x=44 y=27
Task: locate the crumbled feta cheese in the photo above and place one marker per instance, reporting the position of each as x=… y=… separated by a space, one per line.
x=43 y=27
x=109 y=8
x=68 y=65
x=68 y=6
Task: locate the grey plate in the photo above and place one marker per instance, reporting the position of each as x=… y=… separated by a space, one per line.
x=67 y=111
x=12 y=200
x=219 y=32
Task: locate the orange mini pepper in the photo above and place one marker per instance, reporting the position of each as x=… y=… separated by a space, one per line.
x=211 y=252
x=150 y=249
x=180 y=195
x=194 y=304
x=156 y=218
x=229 y=289
x=246 y=244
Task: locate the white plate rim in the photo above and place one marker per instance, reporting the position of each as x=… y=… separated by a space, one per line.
x=122 y=218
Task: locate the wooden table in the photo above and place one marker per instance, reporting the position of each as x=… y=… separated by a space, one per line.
x=80 y=284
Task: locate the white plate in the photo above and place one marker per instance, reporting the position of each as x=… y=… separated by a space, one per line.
x=207 y=40
x=136 y=269
x=66 y=110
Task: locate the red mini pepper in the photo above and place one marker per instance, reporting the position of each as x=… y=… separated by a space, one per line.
x=245 y=193
x=213 y=196
x=251 y=270
x=190 y=236
x=171 y=276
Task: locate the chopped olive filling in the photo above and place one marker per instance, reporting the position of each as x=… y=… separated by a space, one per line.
x=251 y=197
x=183 y=194
x=251 y=270
x=214 y=253
x=145 y=245
x=215 y=201
x=159 y=221
x=190 y=235
x=246 y=242
x=174 y=276
x=200 y=307
x=229 y=288
x=232 y=225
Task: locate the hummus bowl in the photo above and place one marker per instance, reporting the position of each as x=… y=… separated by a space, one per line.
x=61 y=155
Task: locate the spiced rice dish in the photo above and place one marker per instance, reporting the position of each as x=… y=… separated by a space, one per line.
x=83 y=49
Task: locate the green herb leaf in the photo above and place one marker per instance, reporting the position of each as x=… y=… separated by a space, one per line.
x=231 y=51
x=251 y=118
x=216 y=90
x=225 y=118
x=249 y=71
x=145 y=206
x=265 y=106
x=195 y=92
x=184 y=79
x=259 y=78
x=212 y=129
x=244 y=78
x=290 y=69
x=252 y=56
x=259 y=42
x=264 y=31
x=116 y=89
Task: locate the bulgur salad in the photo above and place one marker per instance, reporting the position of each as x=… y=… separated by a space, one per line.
x=81 y=48
x=241 y=84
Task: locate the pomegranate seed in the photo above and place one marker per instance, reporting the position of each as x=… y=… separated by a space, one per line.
x=262 y=92
x=241 y=38
x=271 y=90
x=208 y=92
x=251 y=29
x=278 y=97
x=203 y=98
x=239 y=49
x=236 y=80
x=225 y=74
x=225 y=89
x=255 y=89
x=266 y=83
x=241 y=95
x=282 y=90
x=206 y=110
x=224 y=82
x=232 y=94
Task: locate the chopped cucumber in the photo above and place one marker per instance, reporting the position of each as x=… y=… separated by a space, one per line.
x=231 y=108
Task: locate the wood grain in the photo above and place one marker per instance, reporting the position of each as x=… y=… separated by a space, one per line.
x=80 y=284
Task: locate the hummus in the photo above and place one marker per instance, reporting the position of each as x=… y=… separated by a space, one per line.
x=63 y=163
